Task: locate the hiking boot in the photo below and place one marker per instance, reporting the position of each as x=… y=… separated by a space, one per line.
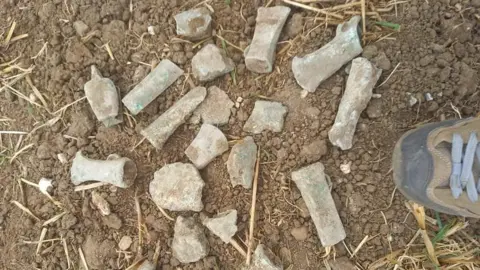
x=438 y=166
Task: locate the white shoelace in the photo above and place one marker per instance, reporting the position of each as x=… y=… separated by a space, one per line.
x=462 y=163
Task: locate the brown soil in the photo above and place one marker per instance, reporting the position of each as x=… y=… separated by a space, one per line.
x=437 y=52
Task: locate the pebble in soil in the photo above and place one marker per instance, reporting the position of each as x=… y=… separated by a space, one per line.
x=189 y=241
x=215 y=109
x=194 y=24
x=241 y=162
x=209 y=143
x=210 y=62
x=223 y=225
x=264 y=258
x=266 y=115
x=177 y=187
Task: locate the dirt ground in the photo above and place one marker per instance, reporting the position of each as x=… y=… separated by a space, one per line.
x=436 y=51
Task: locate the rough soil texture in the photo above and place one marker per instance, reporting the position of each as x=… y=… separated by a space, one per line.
x=437 y=51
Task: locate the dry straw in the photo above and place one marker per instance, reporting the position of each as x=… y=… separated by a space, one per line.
x=434 y=246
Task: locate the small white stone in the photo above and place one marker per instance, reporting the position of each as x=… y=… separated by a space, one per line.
x=412 y=100
x=44 y=185
x=345 y=167
x=125 y=242
x=62 y=158
x=389 y=238
x=150 y=30
x=304 y=93
x=428 y=97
